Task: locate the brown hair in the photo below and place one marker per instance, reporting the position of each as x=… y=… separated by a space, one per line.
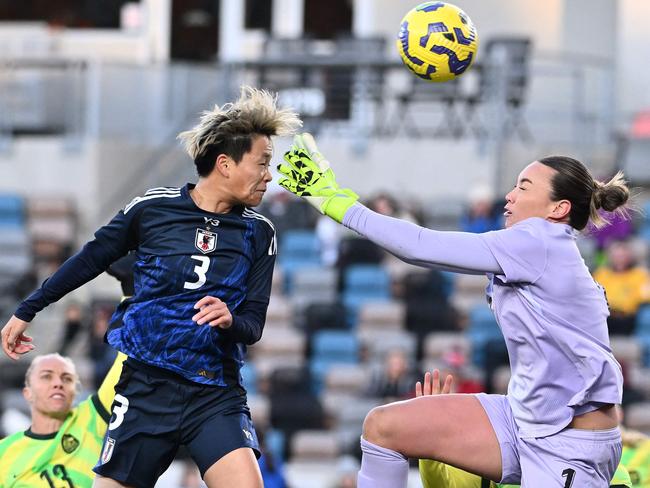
x=232 y=128
x=573 y=182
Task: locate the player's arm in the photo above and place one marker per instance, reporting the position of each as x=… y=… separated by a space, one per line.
x=248 y=319
x=306 y=173
x=106 y=391
x=246 y=323
x=111 y=242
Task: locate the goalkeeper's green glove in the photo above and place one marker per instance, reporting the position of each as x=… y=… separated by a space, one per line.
x=308 y=174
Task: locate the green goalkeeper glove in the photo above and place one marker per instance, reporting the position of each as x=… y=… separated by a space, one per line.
x=308 y=174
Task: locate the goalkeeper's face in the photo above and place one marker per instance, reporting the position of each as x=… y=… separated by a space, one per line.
x=52 y=387
x=531 y=196
x=250 y=177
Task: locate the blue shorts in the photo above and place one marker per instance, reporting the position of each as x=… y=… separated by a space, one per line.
x=570 y=458
x=155 y=411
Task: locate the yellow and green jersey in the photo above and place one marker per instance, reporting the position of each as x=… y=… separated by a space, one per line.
x=440 y=475
x=636 y=458
x=62 y=459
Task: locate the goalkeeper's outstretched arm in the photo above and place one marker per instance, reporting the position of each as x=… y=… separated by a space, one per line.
x=307 y=174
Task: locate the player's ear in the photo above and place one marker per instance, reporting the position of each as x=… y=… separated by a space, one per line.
x=561 y=210
x=27 y=393
x=223 y=165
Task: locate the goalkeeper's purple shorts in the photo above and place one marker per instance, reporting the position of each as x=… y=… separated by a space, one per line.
x=570 y=458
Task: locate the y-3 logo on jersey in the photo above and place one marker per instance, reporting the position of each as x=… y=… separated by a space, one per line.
x=205 y=241
x=210 y=221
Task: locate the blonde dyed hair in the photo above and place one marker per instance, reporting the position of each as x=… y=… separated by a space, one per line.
x=230 y=129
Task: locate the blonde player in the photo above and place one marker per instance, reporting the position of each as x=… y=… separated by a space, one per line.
x=63 y=443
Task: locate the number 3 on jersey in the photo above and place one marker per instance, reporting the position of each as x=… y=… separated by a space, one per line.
x=200 y=270
x=120 y=406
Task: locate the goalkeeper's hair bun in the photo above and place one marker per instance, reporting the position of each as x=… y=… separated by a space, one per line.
x=588 y=197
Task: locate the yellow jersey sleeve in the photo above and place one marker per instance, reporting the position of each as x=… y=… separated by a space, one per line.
x=106 y=391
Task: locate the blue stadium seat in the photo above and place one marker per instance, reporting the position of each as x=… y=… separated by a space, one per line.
x=12 y=211
x=364 y=283
x=249 y=377
x=298 y=249
x=642 y=332
x=331 y=347
x=482 y=328
x=642 y=326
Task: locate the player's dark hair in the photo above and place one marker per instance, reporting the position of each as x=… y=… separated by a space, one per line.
x=573 y=182
x=232 y=128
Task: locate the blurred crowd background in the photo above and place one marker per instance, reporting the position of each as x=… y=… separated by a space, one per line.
x=92 y=95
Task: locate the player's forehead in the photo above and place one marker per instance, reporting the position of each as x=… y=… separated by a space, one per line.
x=53 y=364
x=536 y=172
x=262 y=144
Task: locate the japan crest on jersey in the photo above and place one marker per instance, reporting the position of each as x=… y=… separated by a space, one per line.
x=205 y=241
x=107 y=453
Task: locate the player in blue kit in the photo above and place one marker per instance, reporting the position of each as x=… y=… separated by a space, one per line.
x=202 y=271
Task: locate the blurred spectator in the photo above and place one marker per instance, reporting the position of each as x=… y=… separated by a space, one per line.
x=496 y=355
x=101 y=353
x=481 y=215
x=455 y=362
x=618 y=228
x=627 y=286
x=271 y=467
x=426 y=296
x=329 y=235
x=347 y=470
x=630 y=393
x=395 y=379
x=73 y=324
x=191 y=477
x=287 y=212
x=122 y=270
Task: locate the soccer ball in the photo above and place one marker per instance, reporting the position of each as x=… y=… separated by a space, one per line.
x=437 y=41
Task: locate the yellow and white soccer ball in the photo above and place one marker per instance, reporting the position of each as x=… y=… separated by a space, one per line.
x=437 y=41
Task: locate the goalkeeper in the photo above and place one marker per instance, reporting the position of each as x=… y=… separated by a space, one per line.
x=558 y=426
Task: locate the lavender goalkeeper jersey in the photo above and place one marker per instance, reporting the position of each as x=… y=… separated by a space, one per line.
x=550 y=310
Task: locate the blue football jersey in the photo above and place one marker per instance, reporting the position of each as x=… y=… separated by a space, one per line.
x=183 y=253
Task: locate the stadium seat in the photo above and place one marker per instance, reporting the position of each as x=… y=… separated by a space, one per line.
x=340 y=346
x=12 y=211
x=16 y=259
x=437 y=344
x=330 y=347
x=279 y=313
x=249 y=377
x=314 y=445
x=363 y=284
x=313 y=284
x=299 y=249
x=627 y=350
x=642 y=332
x=389 y=315
x=376 y=343
x=348 y=379
x=637 y=417
x=482 y=327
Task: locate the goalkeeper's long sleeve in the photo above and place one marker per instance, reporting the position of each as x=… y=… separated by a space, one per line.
x=461 y=252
